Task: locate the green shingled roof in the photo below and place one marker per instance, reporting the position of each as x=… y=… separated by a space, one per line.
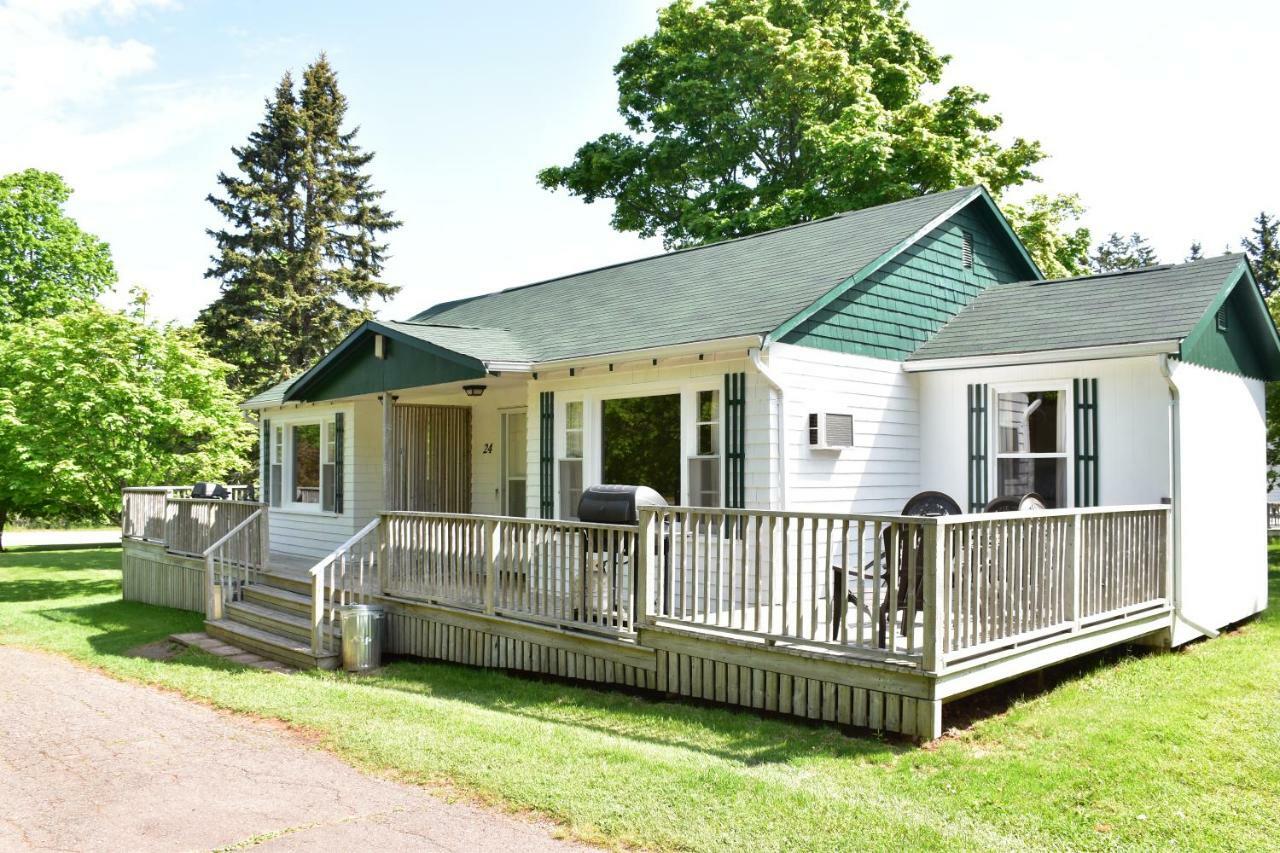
x=1163 y=303
x=747 y=286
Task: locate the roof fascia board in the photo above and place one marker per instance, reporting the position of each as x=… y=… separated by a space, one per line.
x=1013 y=359
x=307 y=379
x=670 y=351
x=871 y=268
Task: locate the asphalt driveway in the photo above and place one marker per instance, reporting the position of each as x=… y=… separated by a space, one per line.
x=91 y=763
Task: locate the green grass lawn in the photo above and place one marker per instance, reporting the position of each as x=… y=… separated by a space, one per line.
x=1152 y=750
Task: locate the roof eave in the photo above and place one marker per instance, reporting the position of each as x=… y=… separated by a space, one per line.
x=1012 y=359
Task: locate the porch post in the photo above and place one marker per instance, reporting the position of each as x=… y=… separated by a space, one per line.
x=388 y=452
x=1077 y=564
x=646 y=545
x=935 y=573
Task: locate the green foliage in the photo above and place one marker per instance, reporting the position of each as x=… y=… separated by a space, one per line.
x=300 y=259
x=1047 y=227
x=1118 y=253
x=1196 y=252
x=1263 y=250
x=94 y=400
x=47 y=264
x=745 y=115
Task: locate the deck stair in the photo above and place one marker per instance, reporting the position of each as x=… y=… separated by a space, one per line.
x=272 y=618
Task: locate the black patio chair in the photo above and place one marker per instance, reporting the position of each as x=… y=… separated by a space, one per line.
x=925 y=505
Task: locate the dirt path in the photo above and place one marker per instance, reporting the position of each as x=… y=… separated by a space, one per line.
x=90 y=763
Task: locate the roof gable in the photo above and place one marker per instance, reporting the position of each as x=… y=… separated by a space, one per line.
x=1172 y=303
x=1245 y=341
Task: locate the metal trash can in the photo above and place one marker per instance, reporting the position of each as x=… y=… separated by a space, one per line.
x=364 y=628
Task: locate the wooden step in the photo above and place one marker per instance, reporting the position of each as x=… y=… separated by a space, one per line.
x=288 y=583
x=286 y=623
x=270 y=645
x=278 y=599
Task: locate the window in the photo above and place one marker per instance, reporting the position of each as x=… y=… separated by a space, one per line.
x=306 y=464
x=1031 y=452
x=515 y=462
x=277 y=467
x=966 y=250
x=640 y=443
x=704 y=466
x=571 y=462
x=1222 y=319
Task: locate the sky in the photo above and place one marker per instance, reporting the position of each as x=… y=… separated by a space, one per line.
x=1157 y=113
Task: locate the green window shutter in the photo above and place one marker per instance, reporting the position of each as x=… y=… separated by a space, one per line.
x=264 y=456
x=1086 y=441
x=977 y=447
x=546 y=454
x=339 y=439
x=735 y=440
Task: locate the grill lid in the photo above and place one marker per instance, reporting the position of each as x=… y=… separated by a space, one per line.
x=615 y=504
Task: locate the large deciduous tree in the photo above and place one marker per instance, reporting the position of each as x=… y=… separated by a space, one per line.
x=745 y=115
x=1047 y=226
x=47 y=264
x=94 y=400
x=301 y=257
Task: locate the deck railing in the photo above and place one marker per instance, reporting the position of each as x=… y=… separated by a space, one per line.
x=924 y=591
x=147 y=512
x=234 y=560
x=554 y=572
x=193 y=524
x=349 y=575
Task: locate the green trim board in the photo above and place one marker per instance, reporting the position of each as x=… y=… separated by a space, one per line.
x=978 y=428
x=891 y=312
x=546 y=454
x=1085 y=433
x=1249 y=344
x=735 y=457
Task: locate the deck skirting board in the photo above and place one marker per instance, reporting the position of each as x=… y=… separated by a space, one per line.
x=152 y=576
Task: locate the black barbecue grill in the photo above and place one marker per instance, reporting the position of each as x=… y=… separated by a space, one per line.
x=614 y=504
x=215 y=491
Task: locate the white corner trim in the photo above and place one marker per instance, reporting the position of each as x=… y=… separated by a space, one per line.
x=1044 y=356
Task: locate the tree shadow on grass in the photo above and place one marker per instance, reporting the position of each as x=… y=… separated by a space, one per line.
x=119 y=626
x=51 y=590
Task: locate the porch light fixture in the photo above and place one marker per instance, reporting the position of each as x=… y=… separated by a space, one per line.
x=473 y=390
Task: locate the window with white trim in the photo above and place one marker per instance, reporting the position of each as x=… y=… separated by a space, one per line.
x=1031 y=448
x=570 y=464
x=277 y=467
x=704 y=465
x=306 y=463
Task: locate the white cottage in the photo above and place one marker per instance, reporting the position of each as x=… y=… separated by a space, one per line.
x=788 y=393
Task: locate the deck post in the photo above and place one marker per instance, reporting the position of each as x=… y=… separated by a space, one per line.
x=388 y=451
x=1077 y=564
x=935 y=573
x=644 y=565
x=264 y=540
x=491 y=545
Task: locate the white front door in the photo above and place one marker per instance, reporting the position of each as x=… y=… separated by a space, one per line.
x=515 y=461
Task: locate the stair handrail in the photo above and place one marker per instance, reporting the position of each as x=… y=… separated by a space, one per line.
x=334 y=565
x=212 y=557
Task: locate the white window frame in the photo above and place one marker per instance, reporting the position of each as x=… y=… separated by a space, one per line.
x=561 y=447
x=504 y=480
x=592 y=441
x=287 y=421
x=1065 y=414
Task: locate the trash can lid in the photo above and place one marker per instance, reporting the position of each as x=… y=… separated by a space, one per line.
x=360 y=608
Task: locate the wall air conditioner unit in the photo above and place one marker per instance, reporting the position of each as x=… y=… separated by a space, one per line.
x=830 y=431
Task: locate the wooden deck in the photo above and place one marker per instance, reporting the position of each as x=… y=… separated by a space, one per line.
x=867 y=620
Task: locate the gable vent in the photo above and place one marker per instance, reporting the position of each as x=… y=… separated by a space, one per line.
x=966 y=249
x=1222 y=319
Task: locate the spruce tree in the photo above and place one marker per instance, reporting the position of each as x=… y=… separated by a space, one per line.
x=300 y=258
x=1196 y=253
x=1263 y=249
x=1118 y=253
